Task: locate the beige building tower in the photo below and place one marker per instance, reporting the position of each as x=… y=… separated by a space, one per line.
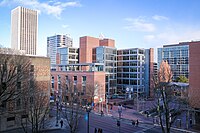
x=24 y=30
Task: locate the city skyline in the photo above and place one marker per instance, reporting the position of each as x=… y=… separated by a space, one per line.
x=132 y=24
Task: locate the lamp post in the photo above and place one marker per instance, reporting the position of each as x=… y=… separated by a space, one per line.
x=88 y=109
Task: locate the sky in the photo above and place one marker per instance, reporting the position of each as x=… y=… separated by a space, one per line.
x=131 y=23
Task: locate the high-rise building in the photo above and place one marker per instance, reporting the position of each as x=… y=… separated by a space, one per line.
x=24 y=30
x=177 y=55
x=54 y=42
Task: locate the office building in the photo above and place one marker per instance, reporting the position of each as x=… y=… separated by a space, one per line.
x=107 y=56
x=134 y=70
x=66 y=55
x=55 y=42
x=177 y=55
x=24 y=30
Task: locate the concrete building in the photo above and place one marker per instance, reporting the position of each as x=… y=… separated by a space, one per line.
x=24 y=30
x=55 y=42
x=134 y=67
x=177 y=55
x=14 y=112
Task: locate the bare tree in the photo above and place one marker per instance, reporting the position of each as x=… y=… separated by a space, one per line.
x=36 y=106
x=164 y=95
x=14 y=73
x=72 y=108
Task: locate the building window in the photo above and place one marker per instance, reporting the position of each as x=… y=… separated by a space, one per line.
x=75 y=78
x=84 y=90
x=31 y=100
x=52 y=85
x=19 y=69
x=10 y=118
x=18 y=85
x=83 y=78
x=18 y=103
x=32 y=68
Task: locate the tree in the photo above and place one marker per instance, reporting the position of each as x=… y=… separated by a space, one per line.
x=35 y=101
x=14 y=73
x=164 y=95
x=182 y=79
x=72 y=111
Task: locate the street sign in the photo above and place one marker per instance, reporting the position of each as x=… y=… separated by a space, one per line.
x=86 y=117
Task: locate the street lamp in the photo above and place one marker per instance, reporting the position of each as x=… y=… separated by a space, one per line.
x=88 y=109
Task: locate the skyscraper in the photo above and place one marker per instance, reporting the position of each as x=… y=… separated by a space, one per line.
x=24 y=30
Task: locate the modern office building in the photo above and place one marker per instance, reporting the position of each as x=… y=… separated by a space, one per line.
x=177 y=55
x=55 y=42
x=107 y=56
x=24 y=30
x=66 y=55
x=134 y=67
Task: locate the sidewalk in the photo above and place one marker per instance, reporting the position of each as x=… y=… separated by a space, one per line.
x=51 y=124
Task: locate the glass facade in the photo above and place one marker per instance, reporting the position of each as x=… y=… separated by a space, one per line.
x=54 y=42
x=107 y=56
x=178 y=58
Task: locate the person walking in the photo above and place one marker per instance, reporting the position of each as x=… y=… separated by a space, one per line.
x=101 y=113
x=61 y=123
x=137 y=122
x=95 y=130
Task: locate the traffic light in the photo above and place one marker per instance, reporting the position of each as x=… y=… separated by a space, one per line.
x=118 y=123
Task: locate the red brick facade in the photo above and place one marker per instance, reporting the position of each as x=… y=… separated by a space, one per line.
x=194 y=74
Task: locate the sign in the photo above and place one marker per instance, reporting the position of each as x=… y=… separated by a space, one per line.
x=86 y=117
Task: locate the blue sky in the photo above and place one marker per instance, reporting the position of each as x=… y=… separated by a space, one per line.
x=131 y=23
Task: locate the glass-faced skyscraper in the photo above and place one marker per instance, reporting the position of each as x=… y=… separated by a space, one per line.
x=24 y=30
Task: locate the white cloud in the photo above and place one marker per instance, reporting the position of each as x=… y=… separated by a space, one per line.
x=65 y=26
x=173 y=35
x=54 y=8
x=159 y=18
x=139 y=24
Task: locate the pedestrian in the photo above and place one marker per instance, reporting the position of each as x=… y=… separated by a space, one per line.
x=190 y=122
x=61 y=123
x=95 y=130
x=99 y=130
x=101 y=113
x=137 y=122
x=111 y=106
x=133 y=122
